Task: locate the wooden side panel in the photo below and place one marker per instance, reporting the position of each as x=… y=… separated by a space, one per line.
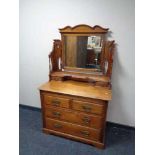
x=55 y=56
x=42 y=108
x=107 y=57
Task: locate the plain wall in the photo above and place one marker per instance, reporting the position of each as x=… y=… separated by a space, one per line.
x=39 y=23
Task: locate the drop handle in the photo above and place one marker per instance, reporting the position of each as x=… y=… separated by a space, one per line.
x=55 y=103
x=57 y=125
x=56 y=114
x=87 y=108
x=86 y=120
x=85 y=133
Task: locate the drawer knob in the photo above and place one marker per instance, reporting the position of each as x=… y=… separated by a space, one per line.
x=86 y=120
x=56 y=114
x=55 y=103
x=86 y=108
x=85 y=133
x=57 y=125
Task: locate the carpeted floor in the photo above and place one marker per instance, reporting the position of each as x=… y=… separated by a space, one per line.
x=119 y=141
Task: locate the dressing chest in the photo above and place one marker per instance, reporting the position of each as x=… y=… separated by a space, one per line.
x=75 y=99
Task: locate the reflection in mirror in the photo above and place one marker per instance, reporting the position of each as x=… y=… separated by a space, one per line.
x=83 y=51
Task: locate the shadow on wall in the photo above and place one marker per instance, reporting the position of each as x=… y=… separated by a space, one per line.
x=116 y=111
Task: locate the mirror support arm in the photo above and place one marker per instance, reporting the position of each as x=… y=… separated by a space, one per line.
x=54 y=57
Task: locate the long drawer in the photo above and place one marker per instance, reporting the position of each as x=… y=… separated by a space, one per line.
x=81 y=118
x=73 y=129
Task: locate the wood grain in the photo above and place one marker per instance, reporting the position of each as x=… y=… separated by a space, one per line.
x=107 y=56
x=74 y=102
x=88 y=107
x=92 y=79
x=71 y=51
x=83 y=28
x=97 y=144
x=76 y=117
x=73 y=129
x=52 y=101
x=80 y=89
x=69 y=121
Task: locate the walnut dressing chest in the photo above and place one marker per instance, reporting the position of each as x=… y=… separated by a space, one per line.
x=75 y=100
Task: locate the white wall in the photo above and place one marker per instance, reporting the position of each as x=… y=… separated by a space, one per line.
x=39 y=23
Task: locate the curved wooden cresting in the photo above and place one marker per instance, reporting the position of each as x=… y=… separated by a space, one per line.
x=83 y=28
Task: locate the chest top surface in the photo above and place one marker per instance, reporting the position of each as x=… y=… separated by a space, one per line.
x=75 y=88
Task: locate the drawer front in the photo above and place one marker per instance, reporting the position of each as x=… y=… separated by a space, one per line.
x=89 y=107
x=73 y=129
x=75 y=117
x=56 y=101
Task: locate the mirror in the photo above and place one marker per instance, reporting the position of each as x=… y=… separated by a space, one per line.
x=83 y=51
x=83 y=48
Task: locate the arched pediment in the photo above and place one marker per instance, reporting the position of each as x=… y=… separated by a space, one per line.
x=82 y=28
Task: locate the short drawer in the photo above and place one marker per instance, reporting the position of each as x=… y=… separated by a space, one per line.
x=56 y=101
x=72 y=116
x=73 y=129
x=89 y=107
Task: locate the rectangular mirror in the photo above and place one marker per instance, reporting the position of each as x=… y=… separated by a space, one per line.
x=83 y=51
x=83 y=48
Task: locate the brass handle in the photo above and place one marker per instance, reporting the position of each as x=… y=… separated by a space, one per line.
x=56 y=114
x=85 y=133
x=86 y=120
x=57 y=125
x=86 y=108
x=55 y=103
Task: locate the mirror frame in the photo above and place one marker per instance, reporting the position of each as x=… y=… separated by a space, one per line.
x=81 y=30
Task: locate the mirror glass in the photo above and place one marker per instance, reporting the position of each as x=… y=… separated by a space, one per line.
x=83 y=51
